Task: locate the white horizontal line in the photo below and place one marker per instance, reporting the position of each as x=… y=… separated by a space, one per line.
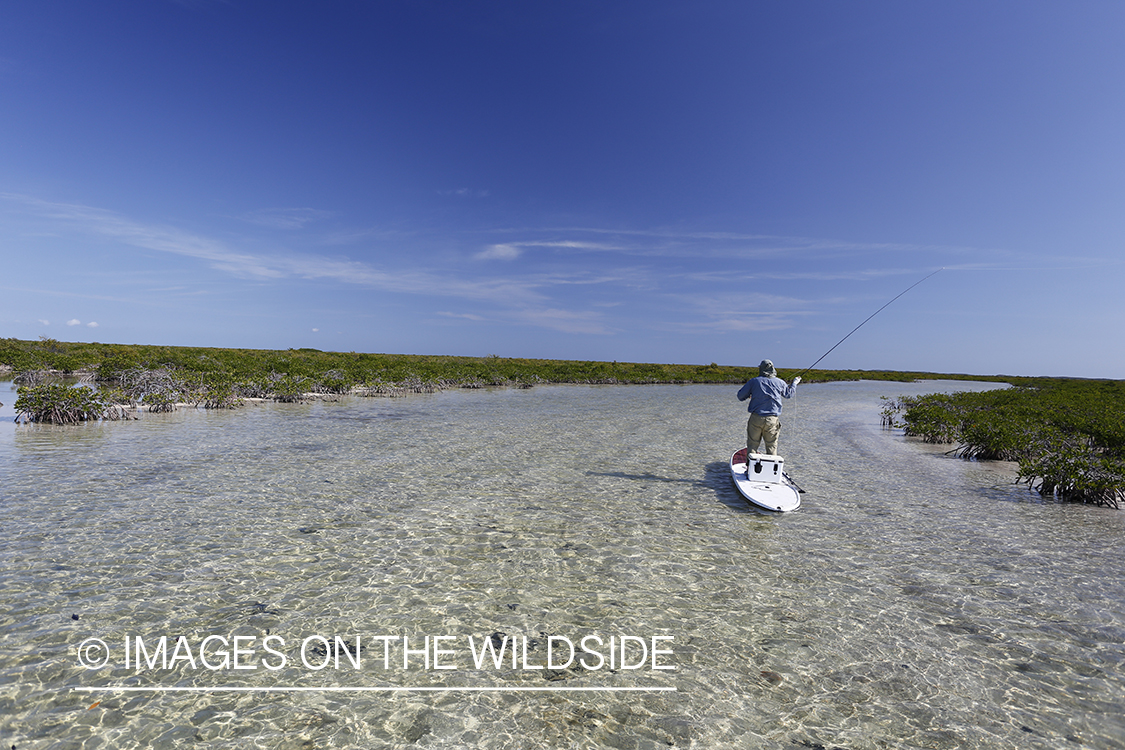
x=497 y=689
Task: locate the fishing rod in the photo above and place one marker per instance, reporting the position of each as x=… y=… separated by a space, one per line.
x=869 y=317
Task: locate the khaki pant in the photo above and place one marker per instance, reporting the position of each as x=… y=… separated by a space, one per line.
x=759 y=428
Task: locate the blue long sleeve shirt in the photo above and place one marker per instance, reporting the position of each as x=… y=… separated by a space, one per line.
x=765 y=393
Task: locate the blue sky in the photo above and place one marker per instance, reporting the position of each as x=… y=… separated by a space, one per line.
x=636 y=181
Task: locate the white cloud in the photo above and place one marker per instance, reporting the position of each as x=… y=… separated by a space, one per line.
x=499 y=252
x=513 y=250
x=316 y=330
x=45 y=322
x=92 y=324
x=74 y=322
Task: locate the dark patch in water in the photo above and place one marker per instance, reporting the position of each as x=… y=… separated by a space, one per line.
x=959 y=627
x=772 y=678
x=366 y=418
x=334 y=646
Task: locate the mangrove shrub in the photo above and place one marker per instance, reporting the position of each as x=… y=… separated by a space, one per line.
x=61 y=404
x=1068 y=436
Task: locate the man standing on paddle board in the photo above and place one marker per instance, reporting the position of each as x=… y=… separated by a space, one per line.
x=765 y=393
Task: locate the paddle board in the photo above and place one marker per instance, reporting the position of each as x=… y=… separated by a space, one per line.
x=767 y=486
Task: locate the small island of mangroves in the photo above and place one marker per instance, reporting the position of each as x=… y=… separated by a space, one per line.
x=1067 y=435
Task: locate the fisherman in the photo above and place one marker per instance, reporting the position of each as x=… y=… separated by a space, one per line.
x=765 y=393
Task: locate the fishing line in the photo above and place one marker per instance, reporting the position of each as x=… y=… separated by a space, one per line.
x=793 y=421
x=869 y=317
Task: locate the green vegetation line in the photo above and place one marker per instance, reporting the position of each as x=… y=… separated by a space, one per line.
x=338 y=372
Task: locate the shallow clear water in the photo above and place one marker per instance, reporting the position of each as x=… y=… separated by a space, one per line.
x=914 y=600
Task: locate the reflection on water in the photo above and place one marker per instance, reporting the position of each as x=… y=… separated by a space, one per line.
x=915 y=600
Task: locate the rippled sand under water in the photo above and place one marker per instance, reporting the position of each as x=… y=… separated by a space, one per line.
x=915 y=600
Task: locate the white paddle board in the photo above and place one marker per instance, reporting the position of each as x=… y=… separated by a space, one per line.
x=767 y=485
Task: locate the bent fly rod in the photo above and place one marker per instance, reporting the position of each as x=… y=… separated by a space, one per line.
x=869 y=317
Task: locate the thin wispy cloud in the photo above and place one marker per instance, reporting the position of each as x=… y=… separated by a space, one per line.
x=529 y=292
x=465 y=193
x=566 y=321
x=751 y=323
x=526 y=296
x=282 y=264
x=354 y=236
x=726 y=277
x=105 y=223
x=571 y=245
x=285 y=218
x=741 y=304
x=623 y=276
x=666 y=244
x=462 y=316
x=161 y=293
x=741 y=312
